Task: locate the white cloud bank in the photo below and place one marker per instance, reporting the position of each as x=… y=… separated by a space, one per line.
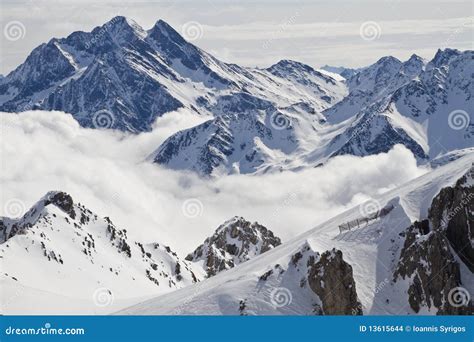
x=104 y=170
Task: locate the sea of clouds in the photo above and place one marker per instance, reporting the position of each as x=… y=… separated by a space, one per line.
x=107 y=171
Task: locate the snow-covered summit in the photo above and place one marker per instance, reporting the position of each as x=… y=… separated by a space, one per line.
x=130 y=76
x=62 y=240
x=234 y=242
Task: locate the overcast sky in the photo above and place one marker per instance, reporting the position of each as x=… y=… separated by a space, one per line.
x=257 y=33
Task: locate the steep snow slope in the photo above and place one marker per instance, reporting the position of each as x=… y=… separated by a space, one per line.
x=62 y=251
x=367 y=85
x=278 y=281
x=429 y=114
x=240 y=140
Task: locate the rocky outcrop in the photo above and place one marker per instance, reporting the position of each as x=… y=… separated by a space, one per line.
x=452 y=211
x=429 y=259
x=332 y=280
x=234 y=242
x=86 y=248
x=63 y=201
x=325 y=280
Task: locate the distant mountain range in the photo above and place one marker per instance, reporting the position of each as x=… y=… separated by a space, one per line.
x=285 y=117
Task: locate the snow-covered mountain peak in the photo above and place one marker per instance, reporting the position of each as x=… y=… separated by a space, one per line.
x=286 y=68
x=122 y=31
x=286 y=64
x=119 y=23
x=414 y=65
x=63 y=240
x=388 y=61
x=442 y=57
x=235 y=241
x=163 y=31
x=53 y=199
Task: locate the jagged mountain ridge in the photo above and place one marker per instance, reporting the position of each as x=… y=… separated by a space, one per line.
x=422 y=105
x=288 y=279
x=285 y=117
x=93 y=261
x=421 y=114
x=234 y=242
x=132 y=76
x=60 y=240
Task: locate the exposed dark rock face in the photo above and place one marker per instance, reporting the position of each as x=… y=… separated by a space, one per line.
x=234 y=242
x=11 y=227
x=63 y=201
x=326 y=280
x=452 y=211
x=427 y=260
x=332 y=280
x=428 y=257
